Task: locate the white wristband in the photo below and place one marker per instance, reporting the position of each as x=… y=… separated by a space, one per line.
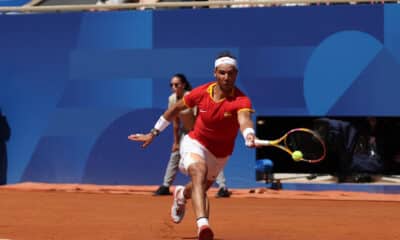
x=161 y=124
x=248 y=131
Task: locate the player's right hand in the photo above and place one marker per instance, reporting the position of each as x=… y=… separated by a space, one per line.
x=250 y=140
x=145 y=138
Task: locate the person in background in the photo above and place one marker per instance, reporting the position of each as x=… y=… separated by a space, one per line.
x=182 y=124
x=5 y=133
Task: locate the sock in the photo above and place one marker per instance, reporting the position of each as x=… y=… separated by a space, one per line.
x=201 y=221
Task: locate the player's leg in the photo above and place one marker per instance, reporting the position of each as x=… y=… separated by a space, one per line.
x=205 y=179
x=198 y=187
x=188 y=148
x=208 y=185
x=204 y=230
x=194 y=163
x=187 y=194
x=198 y=174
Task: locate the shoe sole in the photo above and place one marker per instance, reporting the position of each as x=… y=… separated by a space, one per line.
x=206 y=234
x=173 y=220
x=175 y=196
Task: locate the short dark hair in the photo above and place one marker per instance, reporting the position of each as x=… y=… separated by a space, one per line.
x=184 y=80
x=225 y=54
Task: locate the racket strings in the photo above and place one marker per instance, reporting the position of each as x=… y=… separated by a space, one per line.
x=309 y=144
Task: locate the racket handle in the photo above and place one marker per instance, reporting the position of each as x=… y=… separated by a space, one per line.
x=262 y=142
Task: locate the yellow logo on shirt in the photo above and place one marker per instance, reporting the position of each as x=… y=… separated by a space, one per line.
x=227 y=114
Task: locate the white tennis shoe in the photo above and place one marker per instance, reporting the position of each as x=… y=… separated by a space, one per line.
x=178 y=206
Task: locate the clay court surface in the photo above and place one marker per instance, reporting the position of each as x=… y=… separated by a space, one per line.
x=32 y=211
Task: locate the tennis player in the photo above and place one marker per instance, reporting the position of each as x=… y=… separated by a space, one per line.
x=222 y=110
x=182 y=124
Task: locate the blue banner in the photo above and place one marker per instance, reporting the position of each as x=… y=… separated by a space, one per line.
x=13 y=2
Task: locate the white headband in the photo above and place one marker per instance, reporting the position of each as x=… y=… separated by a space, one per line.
x=225 y=60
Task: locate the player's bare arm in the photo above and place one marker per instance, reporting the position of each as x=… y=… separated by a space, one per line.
x=162 y=123
x=247 y=127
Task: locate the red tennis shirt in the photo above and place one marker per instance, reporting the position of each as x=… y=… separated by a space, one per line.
x=217 y=123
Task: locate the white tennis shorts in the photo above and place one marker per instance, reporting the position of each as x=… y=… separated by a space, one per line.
x=214 y=164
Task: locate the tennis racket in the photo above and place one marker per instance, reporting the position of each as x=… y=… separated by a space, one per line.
x=302 y=144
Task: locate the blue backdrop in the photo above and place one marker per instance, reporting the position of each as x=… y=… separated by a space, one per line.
x=11 y=3
x=74 y=85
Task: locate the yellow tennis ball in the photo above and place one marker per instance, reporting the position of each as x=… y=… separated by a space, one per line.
x=297 y=155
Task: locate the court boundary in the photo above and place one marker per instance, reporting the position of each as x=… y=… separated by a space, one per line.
x=260 y=192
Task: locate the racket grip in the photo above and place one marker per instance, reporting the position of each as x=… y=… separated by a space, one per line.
x=262 y=142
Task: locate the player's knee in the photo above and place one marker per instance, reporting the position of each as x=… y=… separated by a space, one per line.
x=198 y=168
x=198 y=171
